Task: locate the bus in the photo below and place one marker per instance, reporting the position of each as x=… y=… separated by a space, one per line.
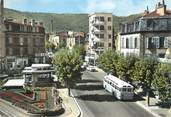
x=120 y=89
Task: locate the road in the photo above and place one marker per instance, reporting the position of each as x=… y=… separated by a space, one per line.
x=11 y=111
x=96 y=102
x=3 y=114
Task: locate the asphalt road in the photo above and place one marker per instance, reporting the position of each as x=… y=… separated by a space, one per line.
x=11 y=111
x=2 y=114
x=96 y=102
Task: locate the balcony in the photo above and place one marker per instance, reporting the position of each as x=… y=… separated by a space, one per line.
x=97 y=31
x=98 y=22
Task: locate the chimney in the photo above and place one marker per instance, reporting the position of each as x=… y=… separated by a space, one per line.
x=25 y=21
x=32 y=22
x=29 y=23
x=146 y=11
x=161 y=8
x=41 y=24
x=36 y=23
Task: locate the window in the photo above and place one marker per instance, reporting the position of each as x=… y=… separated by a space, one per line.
x=127 y=43
x=137 y=26
x=110 y=44
x=102 y=19
x=161 y=42
x=10 y=40
x=166 y=42
x=135 y=43
x=169 y=24
x=101 y=27
x=100 y=44
x=109 y=36
x=21 y=41
x=109 y=28
x=10 y=51
x=162 y=24
x=161 y=55
x=150 y=24
x=101 y=35
x=151 y=42
x=124 y=90
x=109 y=19
x=129 y=90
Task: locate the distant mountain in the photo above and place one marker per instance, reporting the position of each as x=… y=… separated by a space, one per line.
x=75 y=22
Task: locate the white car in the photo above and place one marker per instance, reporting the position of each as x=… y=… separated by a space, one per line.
x=84 y=66
x=91 y=68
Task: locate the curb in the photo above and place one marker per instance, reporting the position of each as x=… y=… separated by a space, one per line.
x=147 y=109
x=80 y=114
x=5 y=113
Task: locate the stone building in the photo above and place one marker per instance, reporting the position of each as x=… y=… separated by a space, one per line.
x=149 y=35
x=21 y=43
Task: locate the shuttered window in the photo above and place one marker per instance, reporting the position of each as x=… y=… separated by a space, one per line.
x=166 y=42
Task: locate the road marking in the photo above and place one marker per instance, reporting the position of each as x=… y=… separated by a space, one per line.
x=81 y=113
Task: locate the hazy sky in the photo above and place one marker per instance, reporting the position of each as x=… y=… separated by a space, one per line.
x=117 y=7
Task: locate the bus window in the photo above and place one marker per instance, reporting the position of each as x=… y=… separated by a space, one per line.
x=124 y=90
x=129 y=90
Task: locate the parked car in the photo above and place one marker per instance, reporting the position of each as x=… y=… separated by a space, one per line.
x=83 y=67
x=91 y=68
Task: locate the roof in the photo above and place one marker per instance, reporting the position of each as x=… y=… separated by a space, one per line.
x=14 y=83
x=37 y=71
x=41 y=65
x=120 y=83
x=100 y=13
x=155 y=14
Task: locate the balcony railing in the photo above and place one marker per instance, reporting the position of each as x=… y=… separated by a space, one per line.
x=98 y=22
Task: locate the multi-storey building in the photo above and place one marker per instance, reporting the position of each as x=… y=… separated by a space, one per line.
x=75 y=38
x=101 y=32
x=149 y=34
x=22 y=43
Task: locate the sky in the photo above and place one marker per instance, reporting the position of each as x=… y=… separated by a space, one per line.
x=117 y=7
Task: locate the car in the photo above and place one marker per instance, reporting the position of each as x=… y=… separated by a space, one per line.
x=83 y=67
x=91 y=68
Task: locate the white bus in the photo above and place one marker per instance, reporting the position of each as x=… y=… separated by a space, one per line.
x=120 y=89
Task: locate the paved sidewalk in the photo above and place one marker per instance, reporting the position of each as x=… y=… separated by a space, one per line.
x=98 y=69
x=153 y=108
x=70 y=106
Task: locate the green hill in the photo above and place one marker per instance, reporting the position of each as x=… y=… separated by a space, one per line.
x=75 y=22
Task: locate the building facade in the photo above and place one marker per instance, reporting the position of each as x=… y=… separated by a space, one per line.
x=149 y=35
x=101 y=32
x=75 y=38
x=24 y=42
x=21 y=43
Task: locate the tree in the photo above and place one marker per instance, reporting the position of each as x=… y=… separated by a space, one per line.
x=108 y=61
x=125 y=67
x=162 y=81
x=49 y=45
x=80 y=50
x=68 y=66
x=144 y=73
x=61 y=45
x=121 y=68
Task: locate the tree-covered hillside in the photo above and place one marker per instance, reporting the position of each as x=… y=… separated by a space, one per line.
x=75 y=22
